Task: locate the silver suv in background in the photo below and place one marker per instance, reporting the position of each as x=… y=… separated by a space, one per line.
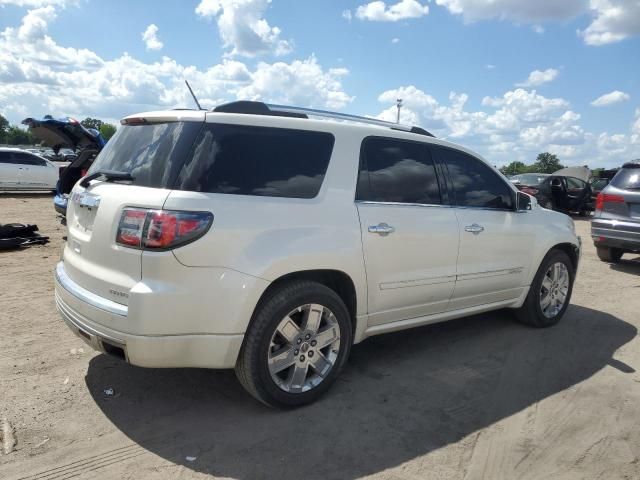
x=615 y=228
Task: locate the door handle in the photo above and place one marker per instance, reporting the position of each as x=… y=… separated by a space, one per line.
x=381 y=229
x=475 y=229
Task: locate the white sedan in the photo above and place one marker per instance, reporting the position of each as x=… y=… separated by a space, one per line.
x=22 y=170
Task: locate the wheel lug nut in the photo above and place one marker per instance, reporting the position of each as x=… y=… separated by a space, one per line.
x=307 y=336
x=299 y=341
x=302 y=358
x=310 y=354
x=313 y=343
x=296 y=351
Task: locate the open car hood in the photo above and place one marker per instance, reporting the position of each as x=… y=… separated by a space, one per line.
x=583 y=173
x=64 y=133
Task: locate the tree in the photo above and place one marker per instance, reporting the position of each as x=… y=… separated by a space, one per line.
x=92 y=123
x=17 y=136
x=107 y=130
x=514 y=168
x=546 y=163
x=4 y=126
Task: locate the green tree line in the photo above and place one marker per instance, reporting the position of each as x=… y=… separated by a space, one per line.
x=545 y=163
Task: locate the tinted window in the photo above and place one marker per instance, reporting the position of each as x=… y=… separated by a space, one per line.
x=152 y=154
x=5 y=157
x=243 y=160
x=475 y=184
x=394 y=170
x=627 y=178
x=575 y=183
x=530 y=179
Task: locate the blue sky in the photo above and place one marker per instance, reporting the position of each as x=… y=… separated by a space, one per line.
x=509 y=78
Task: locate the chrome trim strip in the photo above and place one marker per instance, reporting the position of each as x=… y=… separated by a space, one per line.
x=490 y=273
x=418 y=282
x=86 y=296
x=370 y=202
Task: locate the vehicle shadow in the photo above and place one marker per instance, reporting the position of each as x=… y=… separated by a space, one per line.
x=627 y=265
x=401 y=396
x=24 y=194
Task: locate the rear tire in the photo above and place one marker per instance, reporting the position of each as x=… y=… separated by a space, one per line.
x=609 y=254
x=280 y=346
x=550 y=292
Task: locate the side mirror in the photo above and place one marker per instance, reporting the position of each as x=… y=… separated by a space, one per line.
x=524 y=202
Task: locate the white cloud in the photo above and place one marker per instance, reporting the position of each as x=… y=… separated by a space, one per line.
x=539 y=29
x=379 y=12
x=515 y=126
x=516 y=10
x=611 y=20
x=489 y=66
x=614 y=21
x=346 y=14
x=243 y=28
x=150 y=38
x=395 y=40
x=38 y=3
x=538 y=77
x=610 y=98
x=39 y=77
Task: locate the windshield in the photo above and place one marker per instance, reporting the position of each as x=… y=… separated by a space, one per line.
x=529 y=179
x=627 y=178
x=152 y=154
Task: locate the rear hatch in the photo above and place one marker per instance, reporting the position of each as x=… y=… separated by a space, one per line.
x=620 y=200
x=64 y=132
x=152 y=150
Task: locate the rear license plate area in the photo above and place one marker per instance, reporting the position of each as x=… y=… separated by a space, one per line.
x=86 y=207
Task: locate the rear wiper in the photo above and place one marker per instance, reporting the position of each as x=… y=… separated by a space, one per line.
x=108 y=175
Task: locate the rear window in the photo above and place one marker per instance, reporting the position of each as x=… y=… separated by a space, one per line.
x=152 y=154
x=261 y=161
x=627 y=178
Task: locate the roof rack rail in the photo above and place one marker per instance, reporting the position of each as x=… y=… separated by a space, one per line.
x=260 y=108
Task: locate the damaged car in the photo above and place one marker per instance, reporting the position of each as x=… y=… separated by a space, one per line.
x=67 y=133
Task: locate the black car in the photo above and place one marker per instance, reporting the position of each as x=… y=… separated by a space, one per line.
x=556 y=192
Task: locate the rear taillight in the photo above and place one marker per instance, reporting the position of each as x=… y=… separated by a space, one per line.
x=161 y=229
x=603 y=198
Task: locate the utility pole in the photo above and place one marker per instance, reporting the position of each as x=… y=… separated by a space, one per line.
x=399 y=105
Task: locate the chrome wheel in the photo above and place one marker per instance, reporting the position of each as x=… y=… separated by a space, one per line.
x=304 y=348
x=554 y=289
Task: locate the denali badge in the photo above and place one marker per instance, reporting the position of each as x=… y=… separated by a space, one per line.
x=118 y=293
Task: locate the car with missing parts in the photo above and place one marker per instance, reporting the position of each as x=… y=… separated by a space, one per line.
x=270 y=239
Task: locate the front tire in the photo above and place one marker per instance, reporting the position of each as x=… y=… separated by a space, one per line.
x=609 y=254
x=550 y=292
x=297 y=344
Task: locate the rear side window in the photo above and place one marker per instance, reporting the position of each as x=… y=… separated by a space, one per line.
x=474 y=183
x=397 y=171
x=5 y=157
x=261 y=161
x=575 y=183
x=153 y=154
x=627 y=178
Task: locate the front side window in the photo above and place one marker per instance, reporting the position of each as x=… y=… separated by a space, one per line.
x=260 y=161
x=475 y=184
x=575 y=184
x=397 y=171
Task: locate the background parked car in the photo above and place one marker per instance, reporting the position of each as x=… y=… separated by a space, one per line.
x=615 y=228
x=556 y=192
x=22 y=170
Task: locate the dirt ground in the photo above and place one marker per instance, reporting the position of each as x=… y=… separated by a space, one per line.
x=478 y=398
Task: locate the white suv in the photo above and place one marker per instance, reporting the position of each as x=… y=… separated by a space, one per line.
x=257 y=238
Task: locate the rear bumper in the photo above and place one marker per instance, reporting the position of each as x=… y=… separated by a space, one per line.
x=60 y=204
x=158 y=351
x=617 y=234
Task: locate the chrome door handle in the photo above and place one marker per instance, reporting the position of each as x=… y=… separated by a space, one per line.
x=381 y=228
x=475 y=228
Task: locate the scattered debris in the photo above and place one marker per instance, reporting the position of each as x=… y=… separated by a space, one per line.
x=76 y=351
x=16 y=235
x=190 y=459
x=8 y=437
x=108 y=392
x=66 y=380
x=42 y=443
